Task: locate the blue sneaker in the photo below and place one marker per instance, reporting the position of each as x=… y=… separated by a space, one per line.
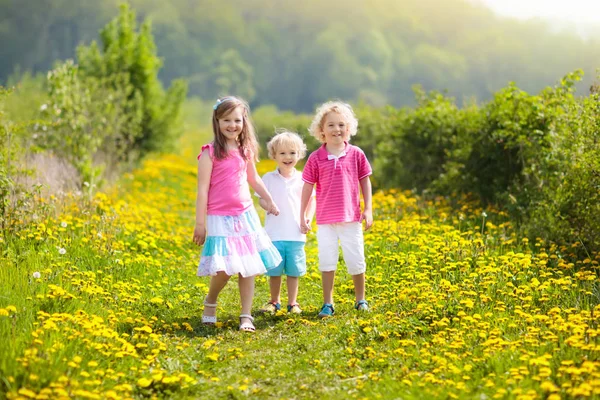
x=361 y=305
x=326 y=311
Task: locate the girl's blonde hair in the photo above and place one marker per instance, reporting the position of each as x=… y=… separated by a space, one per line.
x=316 y=126
x=246 y=139
x=286 y=138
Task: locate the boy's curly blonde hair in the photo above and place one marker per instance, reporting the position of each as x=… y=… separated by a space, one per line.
x=286 y=138
x=316 y=127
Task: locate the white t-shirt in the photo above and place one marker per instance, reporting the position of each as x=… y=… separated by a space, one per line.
x=287 y=194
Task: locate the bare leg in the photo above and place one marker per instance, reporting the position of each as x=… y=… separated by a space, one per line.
x=275 y=286
x=327 y=279
x=359 y=286
x=217 y=283
x=246 y=286
x=292 y=289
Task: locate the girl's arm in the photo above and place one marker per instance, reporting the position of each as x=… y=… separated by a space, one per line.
x=263 y=204
x=367 y=215
x=307 y=191
x=259 y=187
x=205 y=166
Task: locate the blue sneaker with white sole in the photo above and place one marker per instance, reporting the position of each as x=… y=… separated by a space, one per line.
x=326 y=311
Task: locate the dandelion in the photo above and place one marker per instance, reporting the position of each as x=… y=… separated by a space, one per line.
x=62 y=250
x=63 y=224
x=144 y=382
x=36 y=275
x=44 y=107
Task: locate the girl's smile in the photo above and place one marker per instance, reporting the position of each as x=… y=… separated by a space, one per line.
x=231 y=124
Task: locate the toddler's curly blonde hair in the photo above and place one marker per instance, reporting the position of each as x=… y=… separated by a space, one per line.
x=289 y=139
x=344 y=109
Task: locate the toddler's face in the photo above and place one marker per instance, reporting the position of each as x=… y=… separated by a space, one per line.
x=231 y=124
x=286 y=157
x=335 y=128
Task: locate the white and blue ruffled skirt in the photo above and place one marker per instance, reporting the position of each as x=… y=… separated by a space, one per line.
x=237 y=244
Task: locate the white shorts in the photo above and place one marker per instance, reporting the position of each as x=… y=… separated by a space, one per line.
x=350 y=235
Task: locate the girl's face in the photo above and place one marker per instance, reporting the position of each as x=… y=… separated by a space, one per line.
x=231 y=125
x=286 y=157
x=335 y=128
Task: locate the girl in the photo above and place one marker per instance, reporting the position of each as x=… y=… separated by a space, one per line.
x=236 y=243
x=338 y=169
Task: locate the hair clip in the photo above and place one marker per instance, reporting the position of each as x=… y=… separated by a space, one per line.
x=220 y=101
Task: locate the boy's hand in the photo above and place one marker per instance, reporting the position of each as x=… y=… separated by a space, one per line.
x=367 y=216
x=305 y=226
x=199 y=234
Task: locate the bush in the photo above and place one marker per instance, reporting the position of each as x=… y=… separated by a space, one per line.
x=418 y=144
x=112 y=102
x=535 y=156
x=15 y=136
x=268 y=120
x=567 y=208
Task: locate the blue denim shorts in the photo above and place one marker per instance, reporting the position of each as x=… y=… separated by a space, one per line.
x=294 y=259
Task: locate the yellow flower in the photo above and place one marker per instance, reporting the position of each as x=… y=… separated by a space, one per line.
x=27 y=393
x=144 y=382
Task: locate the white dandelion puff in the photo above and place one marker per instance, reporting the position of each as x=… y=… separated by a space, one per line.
x=62 y=250
x=37 y=275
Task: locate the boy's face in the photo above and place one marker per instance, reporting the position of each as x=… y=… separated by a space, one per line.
x=335 y=128
x=286 y=157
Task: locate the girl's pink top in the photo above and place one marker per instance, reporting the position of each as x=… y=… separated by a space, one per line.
x=228 y=193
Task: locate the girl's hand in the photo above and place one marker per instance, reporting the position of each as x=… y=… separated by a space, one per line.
x=305 y=226
x=367 y=216
x=199 y=234
x=272 y=208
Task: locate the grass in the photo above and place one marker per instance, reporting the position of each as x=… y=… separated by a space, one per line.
x=461 y=307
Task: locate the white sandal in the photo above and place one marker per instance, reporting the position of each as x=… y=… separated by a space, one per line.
x=247 y=326
x=209 y=319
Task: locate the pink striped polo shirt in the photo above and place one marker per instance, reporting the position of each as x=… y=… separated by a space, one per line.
x=228 y=193
x=337 y=180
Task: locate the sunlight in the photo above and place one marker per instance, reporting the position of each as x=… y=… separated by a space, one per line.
x=575 y=10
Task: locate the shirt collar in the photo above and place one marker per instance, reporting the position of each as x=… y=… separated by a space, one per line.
x=324 y=154
x=295 y=171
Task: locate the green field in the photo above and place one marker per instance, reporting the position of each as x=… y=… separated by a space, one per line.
x=99 y=299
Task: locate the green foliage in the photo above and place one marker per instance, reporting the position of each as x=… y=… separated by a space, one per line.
x=567 y=207
x=112 y=106
x=535 y=156
x=268 y=120
x=417 y=144
x=295 y=55
x=15 y=136
x=128 y=62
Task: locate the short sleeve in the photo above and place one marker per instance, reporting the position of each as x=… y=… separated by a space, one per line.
x=364 y=168
x=310 y=173
x=211 y=150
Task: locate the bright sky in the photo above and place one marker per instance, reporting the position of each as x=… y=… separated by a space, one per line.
x=570 y=10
